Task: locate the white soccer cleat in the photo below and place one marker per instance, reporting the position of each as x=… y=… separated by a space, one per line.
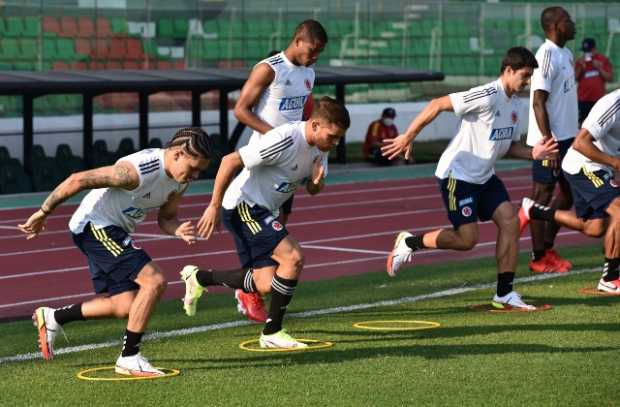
x=401 y=253
x=136 y=365
x=47 y=327
x=612 y=287
x=511 y=300
x=193 y=290
x=280 y=339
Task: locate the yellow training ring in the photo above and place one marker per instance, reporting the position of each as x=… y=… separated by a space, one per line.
x=397 y=325
x=84 y=375
x=313 y=344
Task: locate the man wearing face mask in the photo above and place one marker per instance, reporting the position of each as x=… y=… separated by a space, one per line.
x=592 y=70
x=379 y=130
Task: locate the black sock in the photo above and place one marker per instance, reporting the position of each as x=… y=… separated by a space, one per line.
x=242 y=279
x=541 y=212
x=504 y=283
x=610 y=269
x=282 y=291
x=69 y=313
x=538 y=254
x=548 y=246
x=131 y=343
x=416 y=242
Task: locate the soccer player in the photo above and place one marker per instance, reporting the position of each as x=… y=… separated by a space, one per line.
x=120 y=197
x=273 y=167
x=553 y=114
x=589 y=168
x=278 y=91
x=487 y=131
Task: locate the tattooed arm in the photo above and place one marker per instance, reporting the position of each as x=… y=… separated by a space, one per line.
x=121 y=175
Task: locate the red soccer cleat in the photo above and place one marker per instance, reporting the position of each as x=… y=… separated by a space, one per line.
x=562 y=265
x=542 y=265
x=251 y=305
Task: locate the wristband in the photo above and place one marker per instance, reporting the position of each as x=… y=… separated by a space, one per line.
x=46 y=213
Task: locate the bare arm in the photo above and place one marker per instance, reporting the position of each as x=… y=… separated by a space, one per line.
x=584 y=143
x=169 y=222
x=540 y=112
x=316 y=183
x=230 y=165
x=121 y=175
x=402 y=143
x=260 y=78
x=544 y=149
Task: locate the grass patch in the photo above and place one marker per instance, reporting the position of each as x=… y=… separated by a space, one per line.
x=565 y=356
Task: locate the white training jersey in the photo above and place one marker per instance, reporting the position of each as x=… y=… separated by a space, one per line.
x=274 y=166
x=555 y=75
x=116 y=206
x=603 y=123
x=284 y=99
x=488 y=126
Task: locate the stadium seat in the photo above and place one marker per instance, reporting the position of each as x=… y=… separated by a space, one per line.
x=134 y=49
x=101 y=155
x=119 y=26
x=83 y=47
x=101 y=49
x=44 y=173
x=13 y=179
x=32 y=27
x=68 y=27
x=165 y=28
x=66 y=162
x=51 y=26
x=155 y=143
x=24 y=66
x=125 y=147
x=86 y=27
x=14 y=27
x=118 y=48
x=28 y=49
x=103 y=27
x=10 y=49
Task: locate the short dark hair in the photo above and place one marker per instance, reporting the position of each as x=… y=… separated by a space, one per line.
x=517 y=58
x=194 y=141
x=333 y=112
x=311 y=30
x=550 y=16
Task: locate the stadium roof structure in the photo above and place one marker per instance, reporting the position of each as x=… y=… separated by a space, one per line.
x=89 y=84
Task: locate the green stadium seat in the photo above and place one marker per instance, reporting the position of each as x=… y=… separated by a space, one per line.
x=29 y=49
x=10 y=50
x=165 y=28
x=66 y=50
x=49 y=49
x=25 y=66
x=119 y=26
x=181 y=28
x=32 y=27
x=14 y=27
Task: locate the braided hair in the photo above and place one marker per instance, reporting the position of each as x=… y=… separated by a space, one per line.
x=194 y=141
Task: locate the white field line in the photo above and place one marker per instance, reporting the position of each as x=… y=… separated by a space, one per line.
x=307 y=314
x=311 y=266
x=344 y=249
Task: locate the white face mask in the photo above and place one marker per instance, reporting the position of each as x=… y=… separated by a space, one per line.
x=388 y=122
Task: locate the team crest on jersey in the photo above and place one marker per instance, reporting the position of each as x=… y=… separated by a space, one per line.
x=308 y=84
x=514 y=117
x=277 y=226
x=466 y=211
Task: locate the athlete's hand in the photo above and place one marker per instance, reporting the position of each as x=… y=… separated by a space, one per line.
x=546 y=150
x=208 y=222
x=187 y=232
x=34 y=225
x=318 y=171
x=394 y=147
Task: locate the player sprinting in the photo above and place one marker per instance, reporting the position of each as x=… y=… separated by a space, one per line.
x=589 y=168
x=120 y=197
x=487 y=131
x=289 y=156
x=553 y=113
x=278 y=91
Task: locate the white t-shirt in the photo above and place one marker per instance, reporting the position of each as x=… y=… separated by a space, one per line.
x=603 y=123
x=488 y=126
x=115 y=206
x=555 y=75
x=275 y=165
x=284 y=99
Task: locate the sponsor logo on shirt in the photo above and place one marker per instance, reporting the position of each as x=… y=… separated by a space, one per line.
x=466 y=201
x=505 y=133
x=134 y=213
x=286 y=187
x=292 y=103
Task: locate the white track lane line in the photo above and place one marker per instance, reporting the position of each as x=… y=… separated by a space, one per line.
x=306 y=314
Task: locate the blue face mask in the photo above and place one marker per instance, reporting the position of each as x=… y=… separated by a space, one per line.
x=387 y=121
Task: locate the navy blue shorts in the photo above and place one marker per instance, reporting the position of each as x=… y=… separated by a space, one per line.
x=592 y=193
x=113 y=260
x=466 y=203
x=256 y=232
x=541 y=169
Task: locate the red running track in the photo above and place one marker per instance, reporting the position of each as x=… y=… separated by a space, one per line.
x=347 y=229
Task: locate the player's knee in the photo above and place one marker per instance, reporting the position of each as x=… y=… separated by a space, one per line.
x=156 y=283
x=296 y=259
x=594 y=230
x=469 y=243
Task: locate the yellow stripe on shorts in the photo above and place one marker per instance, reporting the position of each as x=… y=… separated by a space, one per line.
x=595 y=179
x=108 y=243
x=246 y=217
x=451 y=190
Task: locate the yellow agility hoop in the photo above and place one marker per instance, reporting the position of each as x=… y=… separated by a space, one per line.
x=313 y=344
x=83 y=375
x=397 y=325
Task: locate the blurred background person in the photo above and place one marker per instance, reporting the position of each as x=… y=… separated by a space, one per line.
x=592 y=70
x=379 y=130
